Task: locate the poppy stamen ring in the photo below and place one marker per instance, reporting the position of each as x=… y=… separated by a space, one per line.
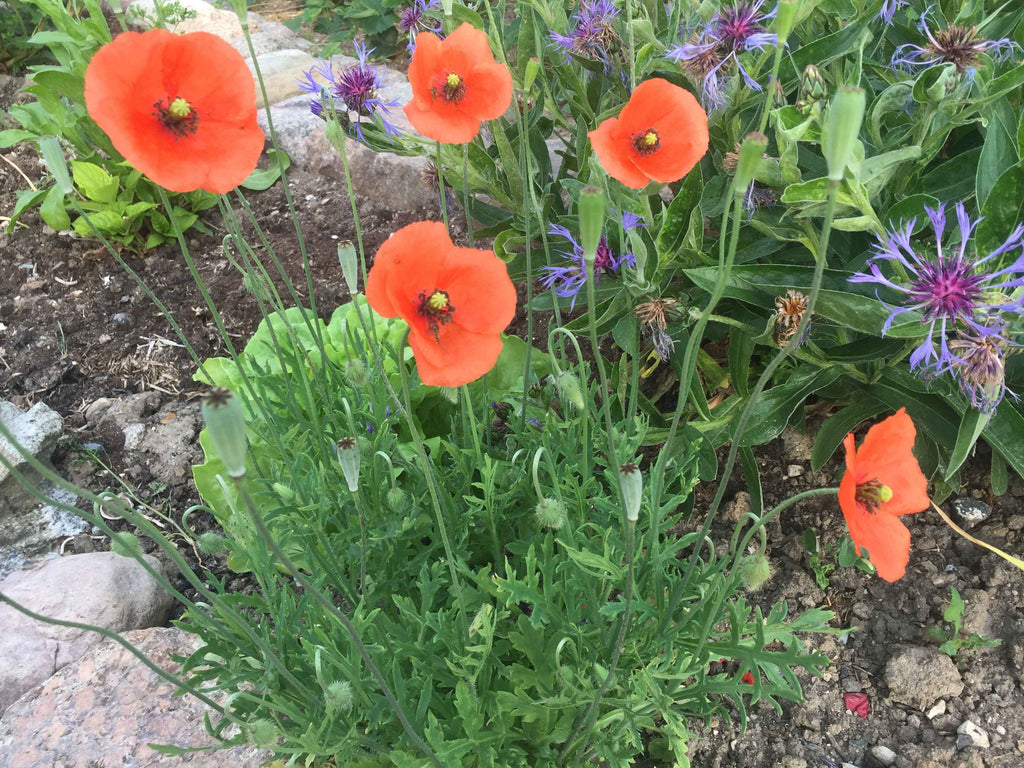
x=177 y=116
x=437 y=308
x=452 y=90
x=647 y=141
x=872 y=494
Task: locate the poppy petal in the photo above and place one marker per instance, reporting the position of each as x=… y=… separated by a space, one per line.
x=887 y=456
x=480 y=290
x=488 y=91
x=406 y=264
x=887 y=541
x=459 y=356
x=613 y=154
x=448 y=126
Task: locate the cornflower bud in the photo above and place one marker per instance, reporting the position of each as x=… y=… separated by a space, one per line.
x=812 y=85
x=348 y=457
x=631 y=481
x=841 y=128
x=225 y=424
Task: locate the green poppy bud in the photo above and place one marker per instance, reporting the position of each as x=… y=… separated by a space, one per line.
x=338 y=696
x=225 y=423
x=349 y=266
x=262 y=733
x=395 y=499
x=591 y=214
x=632 y=483
x=355 y=372
x=348 y=457
x=125 y=544
x=550 y=514
x=755 y=571
x=785 y=19
x=569 y=388
x=842 y=126
x=211 y=543
x=286 y=494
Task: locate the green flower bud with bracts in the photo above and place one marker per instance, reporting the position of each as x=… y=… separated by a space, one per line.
x=632 y=483
x=225 y=423
x=348 y=457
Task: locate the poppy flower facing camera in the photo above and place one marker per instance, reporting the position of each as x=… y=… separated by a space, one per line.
x=456 y=301
x=659 y=135
x=180 y=108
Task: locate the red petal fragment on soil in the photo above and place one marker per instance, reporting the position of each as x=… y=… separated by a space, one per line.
x=857 y=703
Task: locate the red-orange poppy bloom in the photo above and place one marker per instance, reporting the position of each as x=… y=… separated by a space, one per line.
x=748 y=678
x=882 y=482
x=456 y=84
x=659 y=135
x=180 y=108
x=455 y=300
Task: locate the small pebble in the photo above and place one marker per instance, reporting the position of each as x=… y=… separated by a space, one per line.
x=976 y=736
x=938 y=709
x=883 y=754
x=794 y=470
x=123 y=318
x=1000 y=730
x=971 y=511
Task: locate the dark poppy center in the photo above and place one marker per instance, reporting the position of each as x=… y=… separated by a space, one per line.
x=872 y=494
x=177 y=116
x=436 y=308
x=647 y=141
x=451 y=90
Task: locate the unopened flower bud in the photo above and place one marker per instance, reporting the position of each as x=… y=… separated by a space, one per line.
x=395 y=499
x=287 y=494
x=225 y=423
x=532 y=70
x=751 y=151
x=262 y=733
x=348 y=457
x=755 y=571
x=632 y=482
x=841 y=128
x=355 y=372
x=778 y=95
x=338 y=696
x=349 y=266
x=125 y=544
x=812 y=85
x=211 y=543
x=591 y=215
x=550 y=514
x=569 y=388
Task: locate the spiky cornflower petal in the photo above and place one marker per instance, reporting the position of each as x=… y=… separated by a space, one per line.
x=955 y=44
x=592 y=32
x=356 y=88
x=952 y=290
x=413 y=20
x=889 y=8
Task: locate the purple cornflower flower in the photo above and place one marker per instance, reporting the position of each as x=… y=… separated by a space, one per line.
x=979 y=366
x=956 y=44
x=357 y=88
x=950 y=288
x=566 y=281
x=889 y=8
x=413 y=20
x=593 y=35
x=730 y=32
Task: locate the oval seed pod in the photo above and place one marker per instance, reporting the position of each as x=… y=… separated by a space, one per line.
x=225 y=423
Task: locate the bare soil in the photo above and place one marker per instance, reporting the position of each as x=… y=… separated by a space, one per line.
x=74 y=328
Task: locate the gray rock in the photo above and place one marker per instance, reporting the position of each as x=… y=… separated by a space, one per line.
x=36 y=533
x=976 y=736
x=794 y=470
x=106 y=710
x=281 y=71
x=99 y=588
x=173 y=439
x=36 y=432
x=883 y=754
x=268 y=36
x=971 y=512
x=938 y=709
x=919 y=676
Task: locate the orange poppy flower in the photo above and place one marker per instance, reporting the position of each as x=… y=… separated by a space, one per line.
x=882 y=482
x=455 y=300
x=659 y=135
x=180 y=108
x=456 y=84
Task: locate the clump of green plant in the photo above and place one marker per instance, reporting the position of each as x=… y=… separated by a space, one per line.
x=951 y=639
x=824 y=560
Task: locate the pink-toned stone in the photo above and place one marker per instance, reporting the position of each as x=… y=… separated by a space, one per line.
x=98 y=588
x=107 y=713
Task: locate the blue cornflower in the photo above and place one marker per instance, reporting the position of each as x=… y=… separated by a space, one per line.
x=413 y=20
x=951 y=290
x=593 y=33
x=957 y=45
x=566 y=281
x=357 y=88
x=889 y=8
x=730 y=32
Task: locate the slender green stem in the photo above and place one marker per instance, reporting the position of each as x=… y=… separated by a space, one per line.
x=466 y=195
x=363 y=541
x=312 y=590
x=428 y=475
x=440 y=184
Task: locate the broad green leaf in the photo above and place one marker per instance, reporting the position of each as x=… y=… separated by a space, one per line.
x=910 y=209
x=676 y=219
x=835 y=429
x=971 y=426
x=1002 y=212
x=772 y=411
x=261 y=179
x=877 y=171
x=53 y=211
x=998 y=479
x=14 y=136
x=94 y=182
x=999 y=151
x=26 y=198
x=954 y=179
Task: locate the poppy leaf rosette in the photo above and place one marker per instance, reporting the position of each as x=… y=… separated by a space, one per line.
x=882 y=482
x=180 y=108
x=456 y=301
x=456 y=85
x=659 y=135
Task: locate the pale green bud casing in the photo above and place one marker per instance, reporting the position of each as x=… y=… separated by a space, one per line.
x=591 y=213
x=225 y=423
x=632 y=482
x=349 y=266
x=842 y=125
x=532 y=70
x=785 y=20
x=348 y=457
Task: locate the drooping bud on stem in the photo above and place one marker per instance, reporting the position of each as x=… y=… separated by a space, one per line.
x=632 y=483
x=841 y=128
x=225 y=423
x=348 y=457
x=569 y=388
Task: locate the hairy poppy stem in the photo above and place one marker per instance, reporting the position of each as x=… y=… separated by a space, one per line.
x=440 y=185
